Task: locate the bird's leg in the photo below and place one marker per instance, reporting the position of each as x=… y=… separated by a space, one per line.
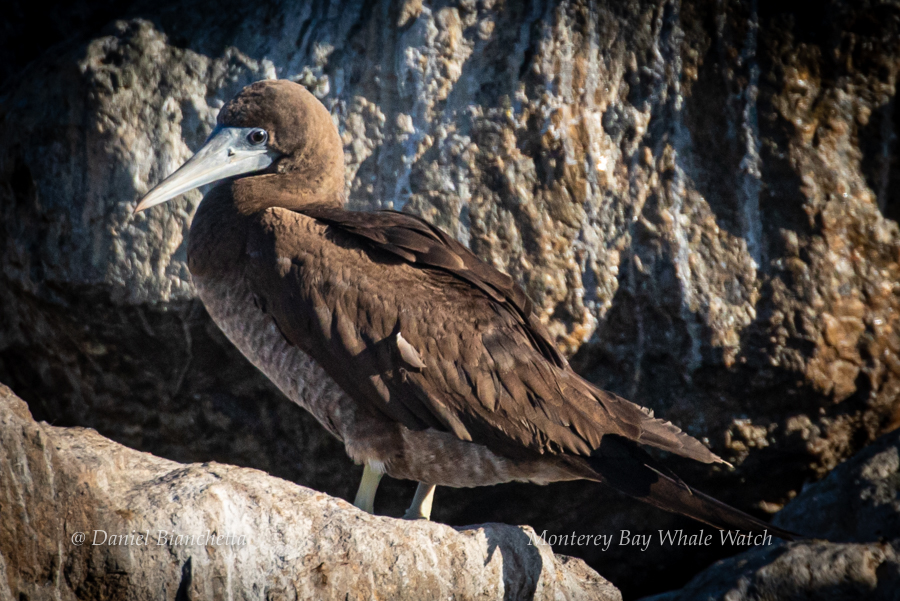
x=421 y=504
x=365 y=496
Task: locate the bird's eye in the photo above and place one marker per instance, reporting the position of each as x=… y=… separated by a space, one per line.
x=257 y=137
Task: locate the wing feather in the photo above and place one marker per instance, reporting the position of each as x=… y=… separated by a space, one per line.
x=478 y=365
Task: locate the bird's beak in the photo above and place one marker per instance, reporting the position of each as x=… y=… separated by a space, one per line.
x=227 y=153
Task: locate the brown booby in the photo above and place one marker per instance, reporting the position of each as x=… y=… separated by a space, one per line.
x=450 y=377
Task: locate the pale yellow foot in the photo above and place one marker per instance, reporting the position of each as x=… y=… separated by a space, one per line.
x=365 y=496
x=422 y=502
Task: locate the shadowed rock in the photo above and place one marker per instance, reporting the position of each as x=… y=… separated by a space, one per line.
x=800 y=571
x=856 y=507
x=859 y=501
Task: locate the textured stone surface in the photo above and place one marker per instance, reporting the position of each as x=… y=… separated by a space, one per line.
x=858 y=502
x=215 y=531
x=821 y=571
x=700 y=197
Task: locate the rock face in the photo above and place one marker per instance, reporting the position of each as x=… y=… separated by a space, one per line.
x=699 y=196
x=155 y=529
x=856 y=508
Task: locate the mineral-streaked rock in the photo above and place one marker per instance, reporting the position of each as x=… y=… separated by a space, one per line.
x=156 y=529
x=704 y=191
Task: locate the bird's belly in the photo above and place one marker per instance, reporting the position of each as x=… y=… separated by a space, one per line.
x=426 y=456
x=442 y=458
x=232 y=307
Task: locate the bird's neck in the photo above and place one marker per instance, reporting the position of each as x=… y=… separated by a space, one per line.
x=219 y=230
x=293 y=190
x=218 y=237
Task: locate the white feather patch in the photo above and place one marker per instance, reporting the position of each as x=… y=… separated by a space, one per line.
x=409 y=353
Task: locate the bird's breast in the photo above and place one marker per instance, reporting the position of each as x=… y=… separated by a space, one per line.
x=233 y=307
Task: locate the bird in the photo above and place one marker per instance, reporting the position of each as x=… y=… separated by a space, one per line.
x=444 y=373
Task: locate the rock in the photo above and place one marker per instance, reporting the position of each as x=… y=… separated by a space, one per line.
x=859 y=501
x=856 y=508
x=800 y=571
x=210 y=531
x=699 y=196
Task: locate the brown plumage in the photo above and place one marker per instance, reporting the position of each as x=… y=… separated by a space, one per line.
x=450 y=378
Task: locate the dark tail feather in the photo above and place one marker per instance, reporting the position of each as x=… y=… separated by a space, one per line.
x=622 y=465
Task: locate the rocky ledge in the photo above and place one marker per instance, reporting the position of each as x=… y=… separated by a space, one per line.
x=86 y=518
x=82 y=517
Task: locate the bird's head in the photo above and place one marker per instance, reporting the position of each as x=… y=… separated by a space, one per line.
x=276 y=141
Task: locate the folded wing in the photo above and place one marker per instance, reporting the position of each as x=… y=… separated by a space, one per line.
x=411 y=323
